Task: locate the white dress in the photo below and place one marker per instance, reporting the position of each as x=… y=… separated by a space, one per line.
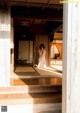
x=42 y=59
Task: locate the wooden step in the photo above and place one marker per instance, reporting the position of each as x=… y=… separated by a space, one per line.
x=31 y=98
x=39 y=102
x=39 y=84
x=43 y=94
x=50 y=111
x=13 y=90
x=31 y=89
x=45 y=88
x=35 y=108
x=36 y=81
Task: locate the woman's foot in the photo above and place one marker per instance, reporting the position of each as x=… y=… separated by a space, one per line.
x=35 y=65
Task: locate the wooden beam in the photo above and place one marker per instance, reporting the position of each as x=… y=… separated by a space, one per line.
x=28 y=4
x=43 y=19
x=46 y=14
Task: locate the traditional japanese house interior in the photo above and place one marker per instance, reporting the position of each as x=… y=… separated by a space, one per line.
x=34 y=22
x=40 y=56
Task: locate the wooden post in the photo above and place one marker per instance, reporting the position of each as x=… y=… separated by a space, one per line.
x=71 y=59
x=4 y=44
x=12 y=48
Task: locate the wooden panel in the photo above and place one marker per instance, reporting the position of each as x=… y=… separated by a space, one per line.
x=54 y=2
x=26 y=51
x=38 y=40
x=23 y=50
x=19 y=0
x=12 y=47
x=38 y=1
x=58 y=36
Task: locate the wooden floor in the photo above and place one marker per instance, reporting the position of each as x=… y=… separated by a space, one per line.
x=49 y=71
x=35 y=76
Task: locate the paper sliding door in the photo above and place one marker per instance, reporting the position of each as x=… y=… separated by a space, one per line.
x=26 y=51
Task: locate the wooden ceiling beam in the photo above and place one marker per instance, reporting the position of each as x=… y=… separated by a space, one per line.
x=32 y=13
x=43 y=19
x=31 y=4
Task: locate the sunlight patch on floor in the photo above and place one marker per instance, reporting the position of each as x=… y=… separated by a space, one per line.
x=57 y=67
x=48 y=71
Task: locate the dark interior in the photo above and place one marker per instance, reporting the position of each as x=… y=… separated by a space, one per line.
x=36 y=20
x=31 y=18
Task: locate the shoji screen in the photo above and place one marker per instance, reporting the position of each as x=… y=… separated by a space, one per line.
x=26 y=51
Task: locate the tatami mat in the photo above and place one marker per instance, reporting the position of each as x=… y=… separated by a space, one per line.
x=24 y=69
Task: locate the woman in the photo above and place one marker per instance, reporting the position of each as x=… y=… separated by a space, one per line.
x=42 y=54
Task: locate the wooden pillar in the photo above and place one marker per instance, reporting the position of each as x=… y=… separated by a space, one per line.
x=31 y=51
x=71 y=58
x=4 y=44
x=12 y=48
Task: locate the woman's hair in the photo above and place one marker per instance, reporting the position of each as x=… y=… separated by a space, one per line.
x=41 y=46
